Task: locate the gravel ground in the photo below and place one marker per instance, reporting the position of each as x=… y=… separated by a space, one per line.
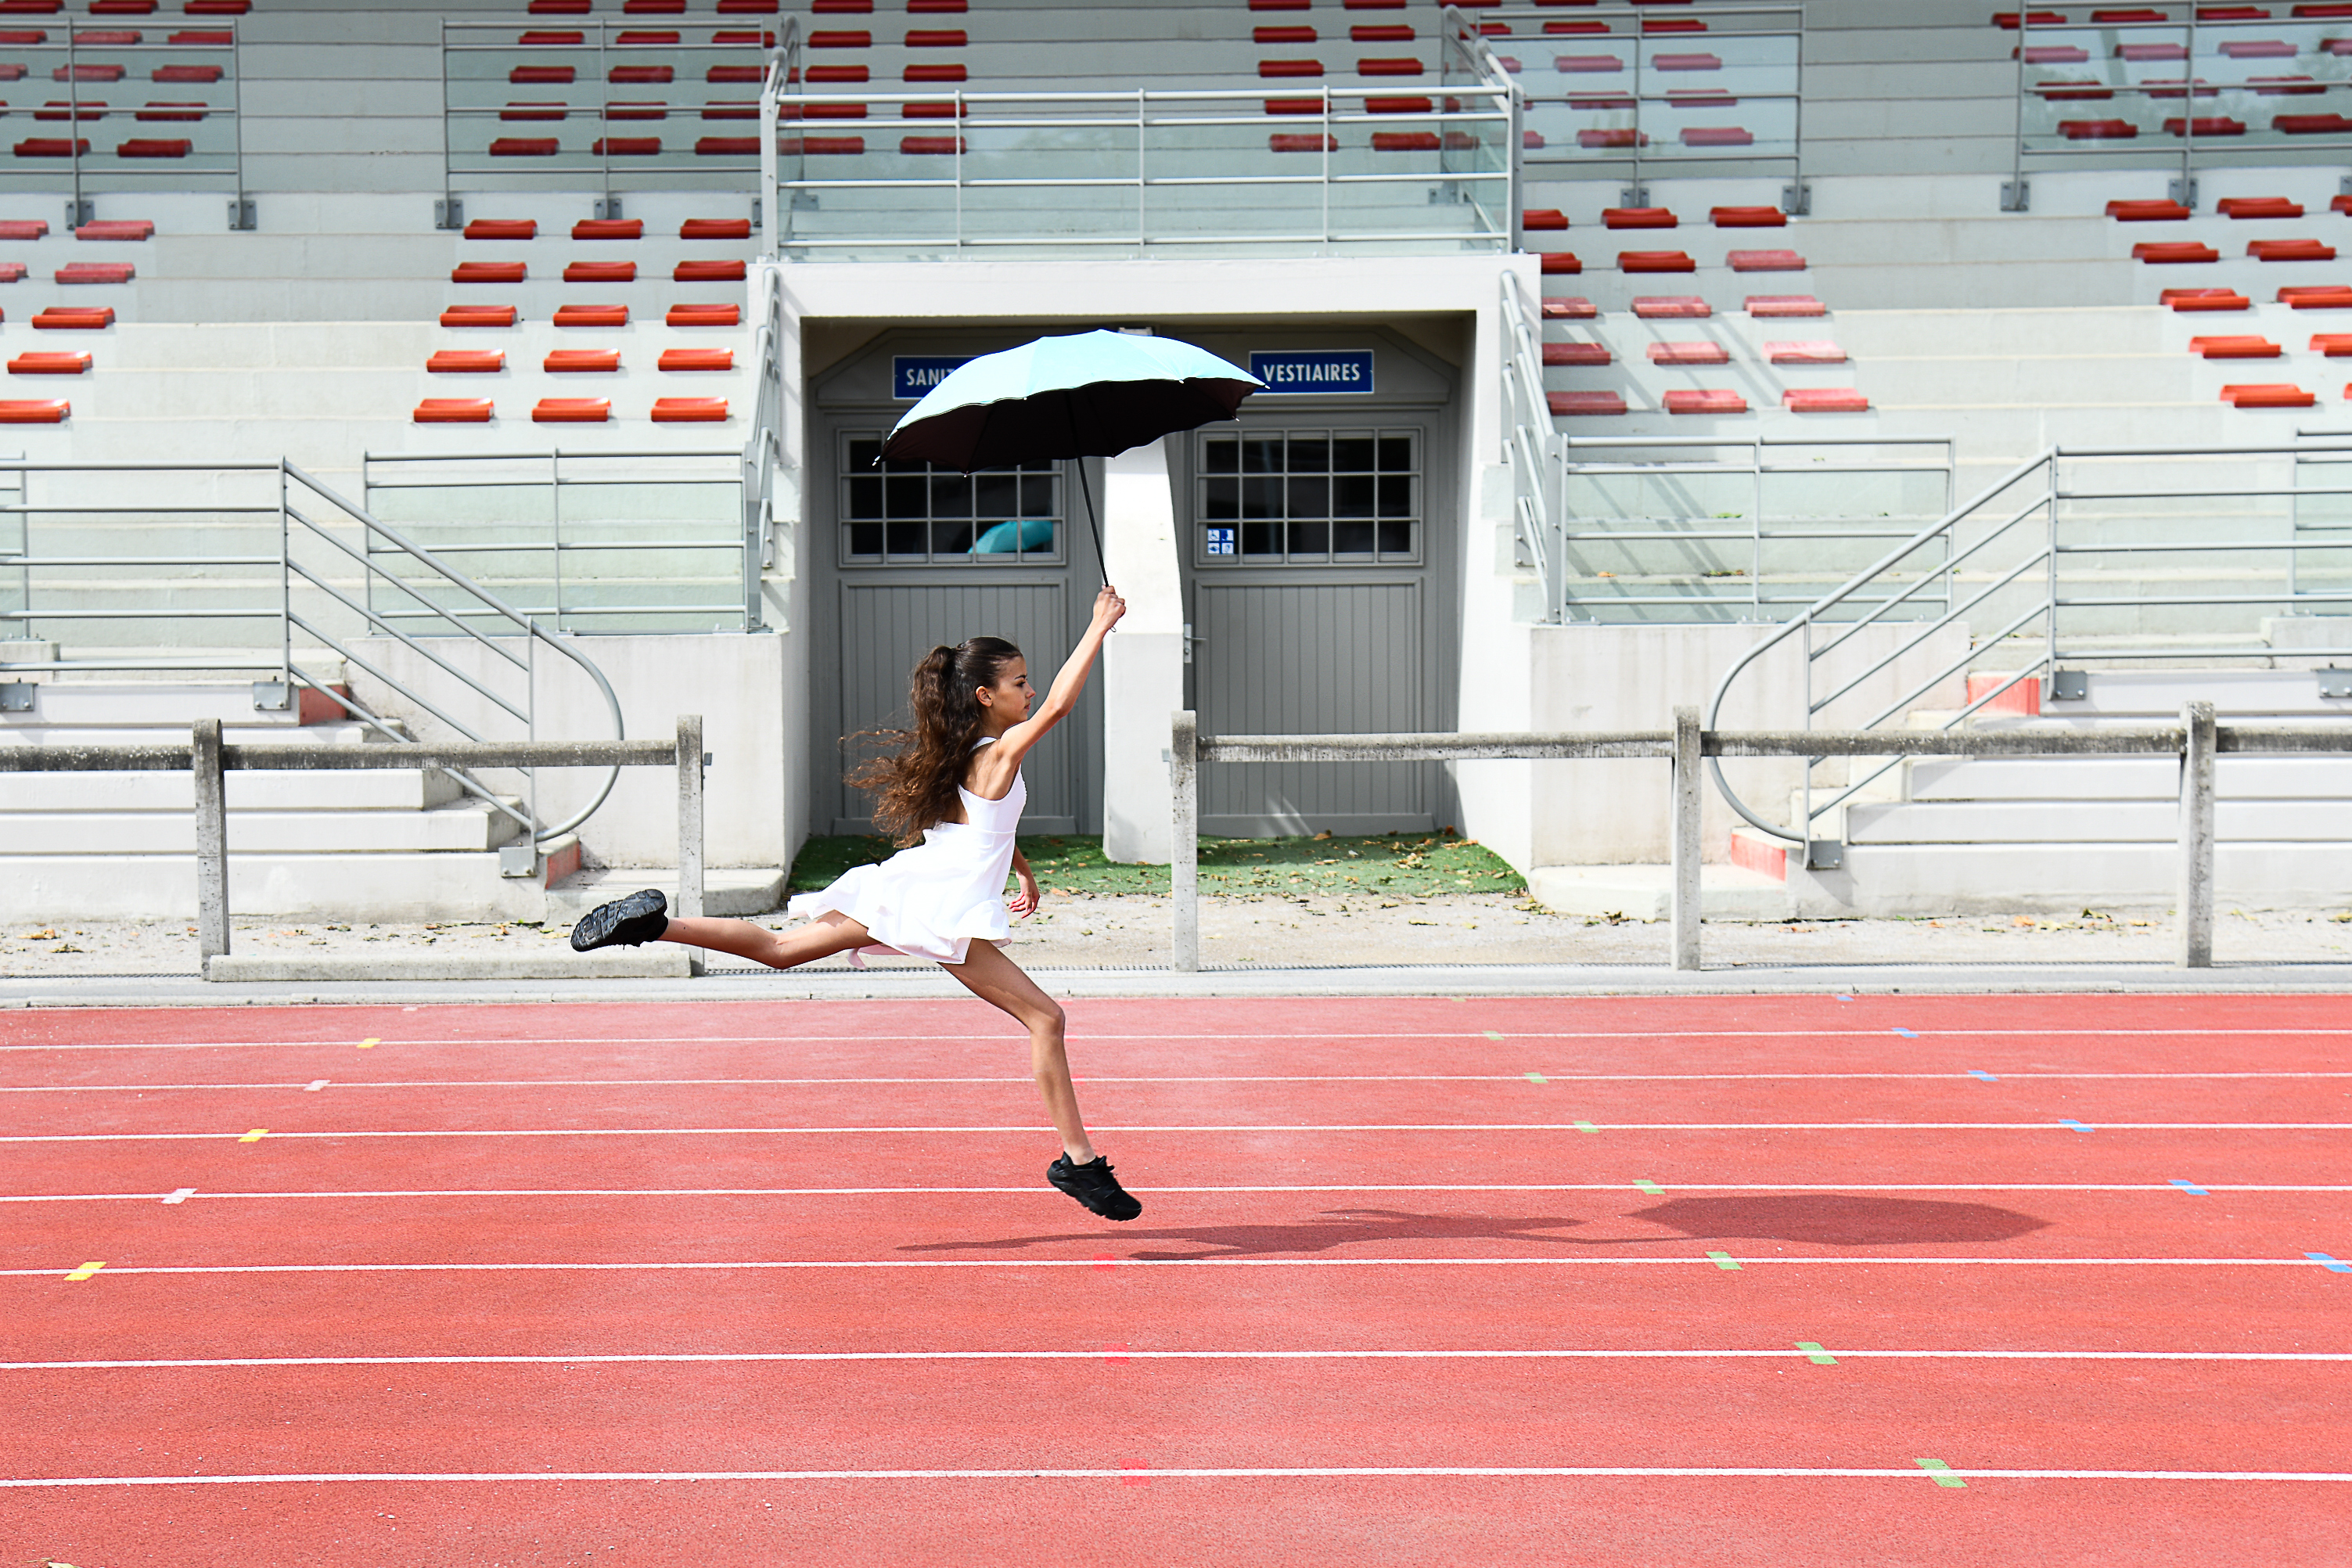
x=1130 y=930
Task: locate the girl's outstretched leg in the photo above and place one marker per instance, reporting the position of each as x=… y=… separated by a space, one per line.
x=1085 y=1175
x=641 y=917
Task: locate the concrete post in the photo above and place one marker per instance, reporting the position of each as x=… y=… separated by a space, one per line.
x=212 y=842
x=1686 y=840
x=2196 y=901
x=689 y=825
x=1184 y=858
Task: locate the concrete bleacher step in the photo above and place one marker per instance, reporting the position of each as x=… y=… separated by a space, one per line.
x=335 y=884
x=1646 y=892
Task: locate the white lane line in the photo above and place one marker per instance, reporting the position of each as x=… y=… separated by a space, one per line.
x=1625 y=1188
x=1097 y=1354
x=1703 y=1261
x=1446 y=1035
x=1315 y=1472
x=1221 y=1127
x=1005 y=1080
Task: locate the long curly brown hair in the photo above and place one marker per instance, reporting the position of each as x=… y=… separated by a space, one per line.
x=915 y=787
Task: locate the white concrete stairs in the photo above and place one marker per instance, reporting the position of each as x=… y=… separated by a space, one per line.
x=1976 y=836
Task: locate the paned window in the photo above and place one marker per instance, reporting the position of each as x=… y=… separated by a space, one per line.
x=1310 y=496
x=920 y=514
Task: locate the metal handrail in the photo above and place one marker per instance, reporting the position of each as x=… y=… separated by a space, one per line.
x=2029 y=493
x=1531 y=445
x=162 y=172
x=763 y=452
x=300 y=496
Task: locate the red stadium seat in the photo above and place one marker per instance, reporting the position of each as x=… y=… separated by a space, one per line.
x=697 y=359
x=1587 y=65
x=130 y=228
x=1748 y=217
x=96 y=272
x=1654 y=261
x=525 y=147
x=1686 y=63
x=467 y=362
x=1717 y=136
x=626 y=147
x=541 y=76
x=592 y=316
x=609 y=228
x=1764 y=261
x=1405 y=142
x=1569 y=309
x=2175 y=251
x=1637 y=217
x=2234 y=348
x=1685 y=400
x=2204 y=300
x=572 y=411
x=73 y=362
x=1689 y=353
x=1577 y=353
x=541 y=112
x=933 y=73
x=704 y=316
x=1773 y=306
x=715 y=228
x=1670 y=308
x=489 y=272
x=1554 y=263
x=1389 y=66
x=936 y=38
x=34 y=410
x=1301 y=142
x=1542 y=219
x=637 y=112
x=454 y=411
x=2291 y=250
x=841 y=39
x=2257 y=206
x=599 y=272
x=478 y=316
x=731 y=270
x=160 y=112
x=155 y=147
x=1612 y=136
x=2097 y=130
x=1278 y=70
x=2324 y=297
x=1264 y=37
x=2206 y=125
x=2311 y=124
x=24 y=228
x=52 y=147
x=1824 y=400
x=2335 y=345
x=2267 y=394
x=1577 y=405
x=689 y=410
x=2147 y=212
x=932 y=146
x=571 y=360
x=749 y=146
x=1816 y=350
x=1395 y=32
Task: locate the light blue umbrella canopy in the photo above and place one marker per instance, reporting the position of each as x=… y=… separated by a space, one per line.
x=1088 y=394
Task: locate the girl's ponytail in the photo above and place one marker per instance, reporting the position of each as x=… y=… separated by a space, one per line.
x=916 y=789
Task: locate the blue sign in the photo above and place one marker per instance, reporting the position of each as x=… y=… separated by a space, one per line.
x=1220 y=541
x=913 y=376
x=1301 y=372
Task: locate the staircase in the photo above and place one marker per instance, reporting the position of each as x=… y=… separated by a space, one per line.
x=2057 y=834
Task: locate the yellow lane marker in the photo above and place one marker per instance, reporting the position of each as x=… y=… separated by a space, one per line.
x=255 y=1136
x=86 y=1270
x=371 y=1040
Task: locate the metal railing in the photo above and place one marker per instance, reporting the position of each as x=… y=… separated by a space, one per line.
x=1147 y=169
x=179 y=142
x=2148 y=76
x=208 y=759
x=1595 y=109
x=2027 y=557
x=764 y=454
x=629 y=80
x=312 y=566
x=1533 y=447
x=2196 y=741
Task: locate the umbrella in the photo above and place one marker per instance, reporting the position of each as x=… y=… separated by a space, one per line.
x=1089 y=395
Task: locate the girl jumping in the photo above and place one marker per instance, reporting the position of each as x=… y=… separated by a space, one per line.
x=951 y=797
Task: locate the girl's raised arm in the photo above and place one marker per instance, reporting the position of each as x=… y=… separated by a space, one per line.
x=998 y=763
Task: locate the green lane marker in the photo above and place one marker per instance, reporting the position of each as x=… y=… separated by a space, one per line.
x=1586 y=1127
x=1538 y=1078
x=1723 y=1260
x=1494 y=1034
x=1651 y=1187
x=1815 y=1354
x=1940 y=1470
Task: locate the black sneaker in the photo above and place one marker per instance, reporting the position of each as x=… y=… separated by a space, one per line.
x=625 y=922
x=1093 y=1185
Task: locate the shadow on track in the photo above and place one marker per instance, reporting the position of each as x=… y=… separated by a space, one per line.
x=1824 y=1220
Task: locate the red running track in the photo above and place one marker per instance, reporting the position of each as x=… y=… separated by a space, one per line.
x=1611 y=1281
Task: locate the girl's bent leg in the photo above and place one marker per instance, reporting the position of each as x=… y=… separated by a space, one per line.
x=995 y=979
x=821 y=938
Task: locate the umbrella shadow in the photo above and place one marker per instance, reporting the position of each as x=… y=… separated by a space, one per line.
x=1832 y=1219
x=1333 y=1228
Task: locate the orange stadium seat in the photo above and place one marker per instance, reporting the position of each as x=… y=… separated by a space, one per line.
x=572 y=411
x=454 y=411
x=2291 y=250
x=1824 y=400
x=2335 y=345
x=34 y=410
x=2234 y=348
x=2267 y=394
x=1691 y=400
x=75 y=362
x=697 y=359
x=478 y=316
x=1577 y=353
x=2204 y=300
x=1571 y=405
x=2257 y=206
x=689 y=410
x=1689 y=353
x=575 y=360
x=2175 y=251
x=1815 y=350
x=2321 y=297
x=467 y=362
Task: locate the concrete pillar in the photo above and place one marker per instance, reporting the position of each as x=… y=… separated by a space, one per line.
x=212 y=842
x=1184 y=861
x=2196 y=902
x=689 y=825
x=1686 y=906
x=1143 y=662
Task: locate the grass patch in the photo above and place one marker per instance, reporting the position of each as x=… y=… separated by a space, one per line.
x=1377 y=866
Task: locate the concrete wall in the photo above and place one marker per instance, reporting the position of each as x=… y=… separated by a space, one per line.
x=1143 y=663
x=738 y=684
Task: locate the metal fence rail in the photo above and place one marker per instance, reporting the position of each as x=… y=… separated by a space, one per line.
x=2197 y=740
x=195 y=141
x=208 y=760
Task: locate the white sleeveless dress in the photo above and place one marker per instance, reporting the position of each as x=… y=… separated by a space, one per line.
x=933 y=900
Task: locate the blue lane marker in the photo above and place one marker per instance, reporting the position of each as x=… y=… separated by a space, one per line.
x=2077 y=1126
x=1979 y=1072
x=2190 y=1187
x=1843 y=997
x=2333 y=1264
x=1908 y=1034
